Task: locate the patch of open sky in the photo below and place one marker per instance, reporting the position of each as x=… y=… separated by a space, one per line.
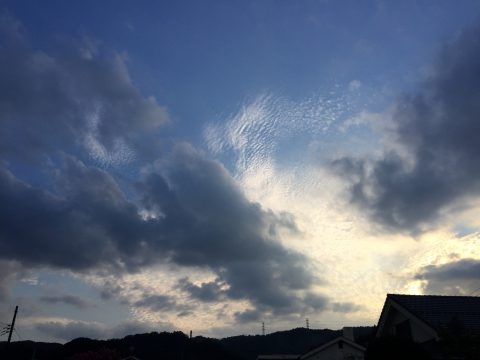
x=462 y=230
x=55 y=291
x=275 y=127
x=201 y=60
x=24 y=172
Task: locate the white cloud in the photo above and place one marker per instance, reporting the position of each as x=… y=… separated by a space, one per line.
x=263 y=128
x=354 y=85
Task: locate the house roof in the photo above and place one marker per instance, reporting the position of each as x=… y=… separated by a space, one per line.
x=438 y=311
x=313 y=351
x=330 y=343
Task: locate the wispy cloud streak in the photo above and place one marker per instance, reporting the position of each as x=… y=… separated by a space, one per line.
x=258 y=130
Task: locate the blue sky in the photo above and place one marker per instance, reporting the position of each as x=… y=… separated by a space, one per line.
x=204 y=59
x=211 y=165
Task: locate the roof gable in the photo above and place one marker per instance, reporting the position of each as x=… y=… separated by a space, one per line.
x=438 y=311
x=330 y=343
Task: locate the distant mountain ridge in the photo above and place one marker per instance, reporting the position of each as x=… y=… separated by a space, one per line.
x=295 y=341
x=173 y=346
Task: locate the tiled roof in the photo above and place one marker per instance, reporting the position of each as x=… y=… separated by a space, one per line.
x=438 y=311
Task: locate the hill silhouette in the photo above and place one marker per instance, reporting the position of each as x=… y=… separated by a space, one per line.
x=172 y=346
x=295 y=341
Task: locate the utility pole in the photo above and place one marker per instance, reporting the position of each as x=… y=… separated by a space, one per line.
x=13 y=324
x=307 y=323
x=263 y=328
x=10 y=329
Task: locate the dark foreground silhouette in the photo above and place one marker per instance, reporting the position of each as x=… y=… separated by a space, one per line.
x=172 y=346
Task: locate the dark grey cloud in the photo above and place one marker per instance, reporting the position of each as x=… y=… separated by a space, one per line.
x=248 y=316
x=345 y=307
x=437 y=127
x=315 y=301
x=70 y=98
x=198 y=217
x=461 y=277
x=156 y=302
x=110 y=290
x=91 y=225
x=71 y=330
x=72 y=300
x=207 y=291
x=184 y=313
x=66 y=331
x=161 y=303
x=213 y=224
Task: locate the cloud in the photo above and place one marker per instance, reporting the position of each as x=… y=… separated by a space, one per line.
x=206 y=291
x=434 y=163
x=200 y=219
x=354 y=85
x=460 y=277
x=110 y=289
x=11 y=271
x=90 y=226
x=316 y=301
x=261 y=128
x=61 y=109
x=66 y=330
x=248 y=316
x=207 y=221
x=345 y=307
x=156 y=302
x=66 y=100
x=72 y=300
x=71 y=330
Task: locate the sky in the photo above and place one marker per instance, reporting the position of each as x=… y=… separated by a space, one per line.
x=212 y=165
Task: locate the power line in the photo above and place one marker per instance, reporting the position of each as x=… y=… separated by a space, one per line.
x=5 y=330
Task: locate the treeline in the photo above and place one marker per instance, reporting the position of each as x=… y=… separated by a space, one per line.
x=172 y=346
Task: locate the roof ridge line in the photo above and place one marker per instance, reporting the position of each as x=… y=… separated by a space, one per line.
x=428 y=295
